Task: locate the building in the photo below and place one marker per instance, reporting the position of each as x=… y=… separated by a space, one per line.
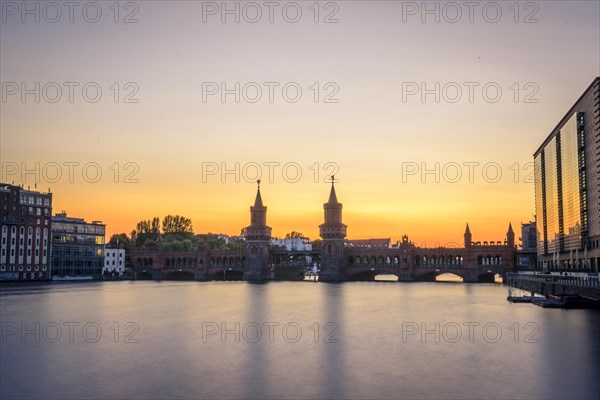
x=567 y=172
x=25 y=217
x=293 y=244
x=527 y=255
x=528 y=237
x=77 y=247
x=114 y=261
x=369 y=243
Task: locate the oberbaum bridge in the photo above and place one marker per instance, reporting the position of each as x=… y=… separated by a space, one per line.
x=337 y=260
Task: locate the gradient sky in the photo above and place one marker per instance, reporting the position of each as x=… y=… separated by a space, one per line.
x=371 y=133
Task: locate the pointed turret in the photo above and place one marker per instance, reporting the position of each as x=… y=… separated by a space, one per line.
x=332 y=196
x=332 y=227
x=468 y=236
x=258 y=201
x=510 y=236
x=258 y=229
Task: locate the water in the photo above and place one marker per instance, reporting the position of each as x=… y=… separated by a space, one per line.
x=351 y=340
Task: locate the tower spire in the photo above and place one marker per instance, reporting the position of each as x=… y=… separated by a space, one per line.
x=332 y=195
x=258 y=203
x=510 y=236
x=468 y=237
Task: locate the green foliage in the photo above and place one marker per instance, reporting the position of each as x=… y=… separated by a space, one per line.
x=149 y=244
x=293 y=235
x=236 y=244
x=121 y=238
x=177 y=224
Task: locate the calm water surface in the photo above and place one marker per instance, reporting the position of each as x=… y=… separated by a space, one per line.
x=157 y=340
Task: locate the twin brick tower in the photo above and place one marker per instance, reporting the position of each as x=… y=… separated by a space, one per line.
x=258 y=236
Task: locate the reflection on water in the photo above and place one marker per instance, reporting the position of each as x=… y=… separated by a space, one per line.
x=291 y=340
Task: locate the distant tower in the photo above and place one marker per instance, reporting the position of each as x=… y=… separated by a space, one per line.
x=333 y=232
x=258 y=236
x=468 y=237
x=510 y=236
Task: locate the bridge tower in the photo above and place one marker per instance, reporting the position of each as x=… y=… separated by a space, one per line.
x=333 y=232
x=258 y=236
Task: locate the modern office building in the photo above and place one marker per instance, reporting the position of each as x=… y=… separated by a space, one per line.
x=567 y=204
x=25 y=219
x=77 y=247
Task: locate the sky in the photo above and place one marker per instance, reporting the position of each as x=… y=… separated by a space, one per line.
x=426 y=113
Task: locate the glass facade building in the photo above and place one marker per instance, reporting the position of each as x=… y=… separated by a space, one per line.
x=77 y=247
x=566 y=189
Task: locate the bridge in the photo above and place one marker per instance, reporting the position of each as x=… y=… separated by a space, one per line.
x=339 y=259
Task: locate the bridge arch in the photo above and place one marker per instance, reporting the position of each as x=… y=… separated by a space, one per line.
x=431 y=276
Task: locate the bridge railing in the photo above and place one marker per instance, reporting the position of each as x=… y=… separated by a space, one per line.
x=581 y=281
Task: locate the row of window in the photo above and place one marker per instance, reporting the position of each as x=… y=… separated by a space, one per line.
x=35 y=200
x=12 y=253
x=13 y=268
x=13 y=230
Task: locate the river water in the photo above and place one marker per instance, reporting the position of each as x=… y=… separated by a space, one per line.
x=363 y=340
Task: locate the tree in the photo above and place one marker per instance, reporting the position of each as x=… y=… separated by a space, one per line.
x=121 y=238
x=236 y=244
x=149 y=244
x=212 y=241
x=294 y=235
x=143 y=226
x=317 y=244
x=177 y=224
x=155 y=225
x=186 y=244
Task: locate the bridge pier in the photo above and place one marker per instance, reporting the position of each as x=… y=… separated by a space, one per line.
x=471 y=277
x=201 y=276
